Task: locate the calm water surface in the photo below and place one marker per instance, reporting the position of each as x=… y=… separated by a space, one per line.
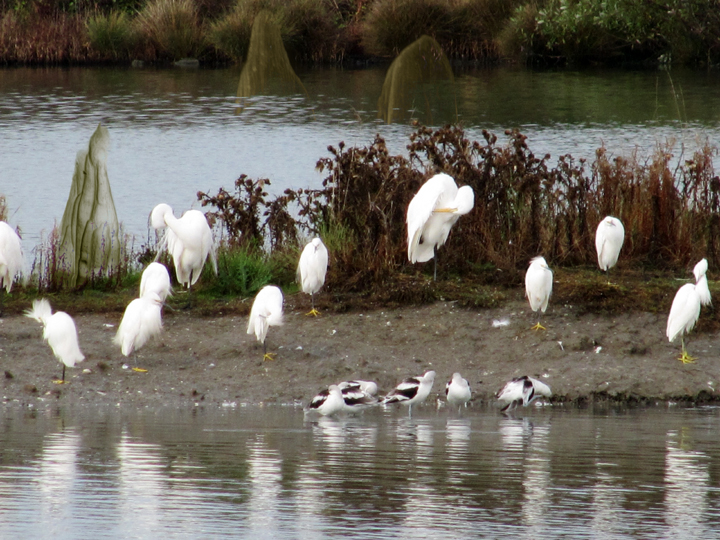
x=175 y=131
x=269 y=473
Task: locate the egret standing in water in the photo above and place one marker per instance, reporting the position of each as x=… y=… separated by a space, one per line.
x=609 y=239
x=267 y=311
x=312 y=269
x=11 y=257
x=432 y=213
x=141 y=321
x=189 y=241
x=538 y=286
x=60 y=333
x=685 y=309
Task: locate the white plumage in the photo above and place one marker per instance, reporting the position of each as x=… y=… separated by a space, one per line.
x=267 y=311
x=141 y=321
x=701 y=283
x=328 y=402
x=188 y=239
x=155 y=279
x=538 y=286
x=11 y=256
x=412 y=390
x=523 y=390
x=312 y=269
x=685 y=309
x=431 y=214
x=457 y=391
x=609 y=239
x=59 y=331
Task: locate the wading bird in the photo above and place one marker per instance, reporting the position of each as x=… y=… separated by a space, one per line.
x=354 y=397
x=155 y=279
x=141 y=321
x=523 y=390
x=328 y=402
x=609 y=239
x=60 y=333
x=11 y=257
x=311 y=270
x=188 y=239
x=412 y=390
x=267 y=311
x=431 y=214
x=457 y=391
x=538 y=286
x=685 y=309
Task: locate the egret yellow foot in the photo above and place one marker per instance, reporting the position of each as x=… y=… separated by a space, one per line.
x=685 y=358
x=313 y=312
x=58 y=381
x=268 y=356
x=139 y=370
x=538 y=326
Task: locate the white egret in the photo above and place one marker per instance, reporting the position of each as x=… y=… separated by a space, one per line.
x=60 y=332
x=311 y=270
x=412 y=390
x=609 y=239
x=155 y=279
x=523 y=390
x=701 y=282
x=685 y=309
x=457 y=391
x=328 y=402
x=267 y=310
x=188 y=239
x=431 y=214
x=141 y=321
x=538 y=287
x=11 y=257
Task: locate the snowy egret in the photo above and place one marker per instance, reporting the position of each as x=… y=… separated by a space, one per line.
x=522 y=390
x=60 y=333
x=431 y=214
x=267 y=310
x=457 y=391
x=155 y=279
x=11 y=257
x=412 y=390
x=311 y=270
x=141 y=321
x=701 y=283
x=685 y=309
x=188 y=239
x=609 y=239
x=538 y=286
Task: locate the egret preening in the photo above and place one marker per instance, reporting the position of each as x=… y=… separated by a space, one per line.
x=685 y=309
x=431 y=214
x=11 y=257
x=267 y=311
x=412 y=390
x=457 y=391
x=188 y=239
x=538 y=286
x=60 y=333
x=609 y=239
x=141 y=321
x=155 y=279
x=523 y=390
x=312 y=269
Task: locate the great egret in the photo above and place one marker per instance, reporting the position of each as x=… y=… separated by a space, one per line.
x=141 y=321
x=609 y=239
x=538 y=286
x=60 y=333
x=685 y=309
x=328 y=402
x=11 y=257
x=311 y=270
x=412 y=390
x=523 y=390
x=431 y=214
x=457 y=391
x=188 y=239
x=155 y=279
x=267 y=311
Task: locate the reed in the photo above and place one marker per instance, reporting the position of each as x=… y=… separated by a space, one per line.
x=111 y=34
x=173 y=27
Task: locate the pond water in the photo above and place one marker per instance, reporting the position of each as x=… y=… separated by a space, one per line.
x=551 y=472
x=174 y=132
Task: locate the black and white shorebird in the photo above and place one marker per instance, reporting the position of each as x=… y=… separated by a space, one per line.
x=412 y=390
x=354 y=396
x=457 y=391
x=368 y=387
x=523 y=390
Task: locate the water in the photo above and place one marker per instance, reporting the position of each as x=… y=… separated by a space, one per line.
x=269 y=473
x=175 y=132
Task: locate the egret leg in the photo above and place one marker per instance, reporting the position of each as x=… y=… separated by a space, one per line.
x=61 y=381
x=314 y=312
x=685 y=358
x=267 y=355
x=538 y=326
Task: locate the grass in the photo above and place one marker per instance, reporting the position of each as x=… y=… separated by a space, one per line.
x=173 y=27
x=111 y=34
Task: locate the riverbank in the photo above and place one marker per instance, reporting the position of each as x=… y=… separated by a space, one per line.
x=211 y=361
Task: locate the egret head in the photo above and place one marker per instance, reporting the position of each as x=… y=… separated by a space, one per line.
x=465 y=200
x=700 y=269
x=157 y=216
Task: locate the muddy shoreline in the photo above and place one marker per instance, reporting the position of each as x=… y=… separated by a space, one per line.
x=211 y=361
